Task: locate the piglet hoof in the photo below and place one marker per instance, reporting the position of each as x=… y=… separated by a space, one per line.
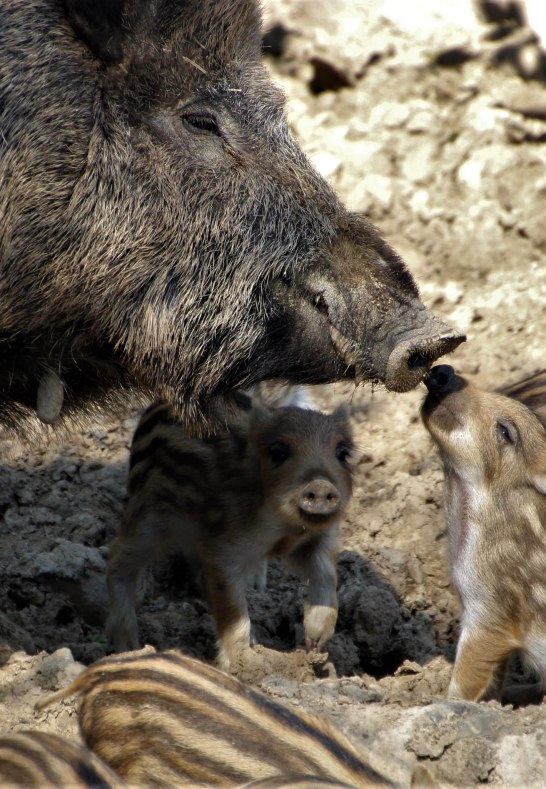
x=319 y=623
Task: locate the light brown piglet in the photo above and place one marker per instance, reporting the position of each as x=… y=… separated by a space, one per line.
x=493 y=448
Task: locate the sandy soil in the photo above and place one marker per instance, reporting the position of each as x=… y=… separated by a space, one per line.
x=428 y=124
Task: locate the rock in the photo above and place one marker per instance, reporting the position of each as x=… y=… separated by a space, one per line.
x=68 y=560
x=420 y=162
x=380 y=189
x=327 y=164
x=58 y=670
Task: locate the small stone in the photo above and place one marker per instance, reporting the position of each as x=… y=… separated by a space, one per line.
x=327 y=164
x=453 y=292
x=470 y=173
x=380 y=188
x=389 y=114
x=420 y=163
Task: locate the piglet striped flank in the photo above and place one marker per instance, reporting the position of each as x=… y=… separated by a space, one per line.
x=159 y=413
x=168 y=719
x=295 y=782
x=41 y=759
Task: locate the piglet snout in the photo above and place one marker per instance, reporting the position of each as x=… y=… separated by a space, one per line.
x=319 y=497
x=441 y=379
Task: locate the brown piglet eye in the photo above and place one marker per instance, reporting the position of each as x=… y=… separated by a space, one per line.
x=343 y=452
x=279 y=452
x=507 y=432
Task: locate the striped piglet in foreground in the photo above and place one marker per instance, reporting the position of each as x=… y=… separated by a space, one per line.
x=46 y=761
x=167 y=720
x=276 y=485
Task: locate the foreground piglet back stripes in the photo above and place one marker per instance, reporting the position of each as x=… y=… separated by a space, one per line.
x=295 y=782
x=41 y=759
x=168 y=719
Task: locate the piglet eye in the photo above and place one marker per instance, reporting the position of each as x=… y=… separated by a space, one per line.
x=279 y=452
x=343 y=452
x=507 y=432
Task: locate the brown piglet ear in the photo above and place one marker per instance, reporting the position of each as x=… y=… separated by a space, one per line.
x=260 y=413
x=341 y=414
x=538 y=479
x=99 y=23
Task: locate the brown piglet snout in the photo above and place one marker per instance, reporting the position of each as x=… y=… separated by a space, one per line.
x=319 y=497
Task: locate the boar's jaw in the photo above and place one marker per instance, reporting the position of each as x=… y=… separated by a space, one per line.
x=407 y=363
x=396 y=350
x=342 y=338
x=410 y=360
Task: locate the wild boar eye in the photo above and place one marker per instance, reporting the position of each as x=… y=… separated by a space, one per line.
x=320 y=302
x=201 y=122
x=343 y=453
x=507 y=432
x=279 y=452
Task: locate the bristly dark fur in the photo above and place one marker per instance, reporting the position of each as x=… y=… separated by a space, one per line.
x=161 y=230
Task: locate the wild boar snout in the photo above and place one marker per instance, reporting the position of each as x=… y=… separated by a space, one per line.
x=410 y=359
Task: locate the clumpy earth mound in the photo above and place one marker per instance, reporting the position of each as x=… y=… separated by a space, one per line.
x=435 y=126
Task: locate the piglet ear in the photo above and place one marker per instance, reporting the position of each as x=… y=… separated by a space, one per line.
x=260 y=412
x=341 y=414
x=99 y=23
x=539 y=481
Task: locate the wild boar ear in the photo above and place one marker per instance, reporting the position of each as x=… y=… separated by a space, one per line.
x=99 y=24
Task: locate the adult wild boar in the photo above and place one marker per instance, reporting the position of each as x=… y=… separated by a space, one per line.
x=160 y=228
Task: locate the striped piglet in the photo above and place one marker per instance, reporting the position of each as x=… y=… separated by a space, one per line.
x=164 y=719
x=46 y=761
x=276 y=485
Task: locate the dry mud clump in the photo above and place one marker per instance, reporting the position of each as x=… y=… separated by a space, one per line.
x=426 y=123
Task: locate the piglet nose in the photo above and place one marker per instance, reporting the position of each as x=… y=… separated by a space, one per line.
x=319 y=497
x=440 y=379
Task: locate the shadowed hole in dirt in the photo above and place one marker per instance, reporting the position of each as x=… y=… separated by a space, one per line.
x=327 y=77
x=455 y=56
x=495 y=12
x=274 y=40
x=375 y=632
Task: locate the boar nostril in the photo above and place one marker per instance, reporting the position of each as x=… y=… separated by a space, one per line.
x=409 y=360
x=417 y=360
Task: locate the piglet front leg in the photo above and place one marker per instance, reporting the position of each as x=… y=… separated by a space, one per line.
x=225 y=591
x=480 y=663
x=316 y=561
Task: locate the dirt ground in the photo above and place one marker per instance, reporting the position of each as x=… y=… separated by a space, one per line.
x=435 y=126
